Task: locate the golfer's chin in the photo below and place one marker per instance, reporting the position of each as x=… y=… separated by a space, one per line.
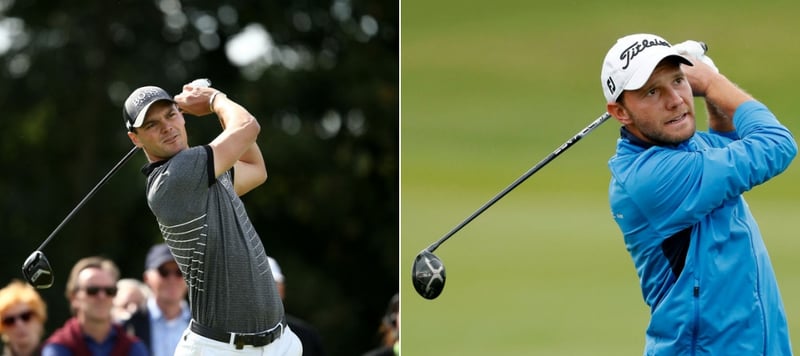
x=681 y=131
x=167 y=152
x=174 y=146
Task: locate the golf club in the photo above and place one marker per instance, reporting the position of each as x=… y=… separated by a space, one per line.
x=428 y=270
x=36 y=269
x=428 y=273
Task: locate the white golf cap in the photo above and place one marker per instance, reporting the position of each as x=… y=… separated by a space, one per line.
x=629 y=63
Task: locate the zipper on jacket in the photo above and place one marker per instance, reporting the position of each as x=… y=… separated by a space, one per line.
x=759 y=292
x=696 y=295
x=696 y=327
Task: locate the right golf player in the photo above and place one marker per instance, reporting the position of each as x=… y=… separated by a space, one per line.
x=676 y=194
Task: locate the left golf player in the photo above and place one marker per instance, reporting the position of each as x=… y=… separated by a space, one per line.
x=194 y=194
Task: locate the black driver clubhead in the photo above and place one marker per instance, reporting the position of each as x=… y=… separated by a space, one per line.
x=37 y=270
x=428 y=275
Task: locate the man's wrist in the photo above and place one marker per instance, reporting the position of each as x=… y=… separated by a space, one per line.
x=211 y=100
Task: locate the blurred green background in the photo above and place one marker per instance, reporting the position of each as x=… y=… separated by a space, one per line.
x=488 y=89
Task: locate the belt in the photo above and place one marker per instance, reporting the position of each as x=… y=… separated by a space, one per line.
x=240 y=339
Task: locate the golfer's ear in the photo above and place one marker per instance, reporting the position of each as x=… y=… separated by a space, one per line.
x=618 y=112
x=134 y=139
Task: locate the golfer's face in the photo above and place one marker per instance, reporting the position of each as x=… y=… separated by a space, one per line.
x=163 y=132
x=662 y=111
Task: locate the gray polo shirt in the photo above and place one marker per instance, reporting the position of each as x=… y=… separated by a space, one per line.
x=219 y=252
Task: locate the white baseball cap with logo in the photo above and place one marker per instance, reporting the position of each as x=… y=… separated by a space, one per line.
x=629 y=63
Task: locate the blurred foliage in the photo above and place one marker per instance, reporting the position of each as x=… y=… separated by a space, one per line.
x=321 y=77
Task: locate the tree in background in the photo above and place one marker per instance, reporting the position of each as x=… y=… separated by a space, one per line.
x=321 y=77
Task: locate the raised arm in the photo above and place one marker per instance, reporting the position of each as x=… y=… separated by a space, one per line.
x=721 y=95
x=236 y=145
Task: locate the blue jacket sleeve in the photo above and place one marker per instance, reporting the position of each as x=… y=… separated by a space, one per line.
x=677 y=187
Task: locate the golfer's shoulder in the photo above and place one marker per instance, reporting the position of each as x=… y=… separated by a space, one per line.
x=192 y=153
x=649 y=168
x=190 y=159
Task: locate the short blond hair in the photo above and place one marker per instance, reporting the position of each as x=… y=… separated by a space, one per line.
x=20 y=292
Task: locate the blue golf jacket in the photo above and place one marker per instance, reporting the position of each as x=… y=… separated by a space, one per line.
x=701 y=261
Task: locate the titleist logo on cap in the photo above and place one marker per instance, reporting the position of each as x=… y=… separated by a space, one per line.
x=638 y=47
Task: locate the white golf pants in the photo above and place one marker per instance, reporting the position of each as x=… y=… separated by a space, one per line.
x=192 y=344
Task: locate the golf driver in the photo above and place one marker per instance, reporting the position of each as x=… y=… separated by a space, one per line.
x=428 y=270
x=36 y=269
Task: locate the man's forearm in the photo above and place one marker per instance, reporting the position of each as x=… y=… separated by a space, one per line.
x=725 y=96
x=232 y=116
x=252 y=155
x=717 y=120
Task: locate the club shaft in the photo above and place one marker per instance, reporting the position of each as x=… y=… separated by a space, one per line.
x=88 y=196
x=597 y=122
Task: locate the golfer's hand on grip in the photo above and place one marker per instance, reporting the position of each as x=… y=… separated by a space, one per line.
x=706 y=82
x=195 y=100
x=700 y=76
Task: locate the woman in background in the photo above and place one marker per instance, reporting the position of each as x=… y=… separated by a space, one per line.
x=22 y=317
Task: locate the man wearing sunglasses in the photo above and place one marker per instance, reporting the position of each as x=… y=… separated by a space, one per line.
x=91 y=288
x=23 y=313
x=161 y=324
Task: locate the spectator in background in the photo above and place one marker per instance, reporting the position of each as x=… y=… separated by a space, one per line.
x=23 y=313
x=309 y=337
x=131 y=296
x=166 y=314
x=91 y=286
x=389 y=331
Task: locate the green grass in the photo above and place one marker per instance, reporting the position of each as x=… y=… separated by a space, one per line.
x=488 y=89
